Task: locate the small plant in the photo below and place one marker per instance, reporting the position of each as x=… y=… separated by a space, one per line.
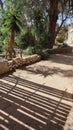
x=28 y=51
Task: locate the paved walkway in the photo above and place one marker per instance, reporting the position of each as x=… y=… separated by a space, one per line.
x=39 y=96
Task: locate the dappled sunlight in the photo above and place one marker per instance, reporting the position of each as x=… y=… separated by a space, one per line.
x=31 y=106
x=58 y=64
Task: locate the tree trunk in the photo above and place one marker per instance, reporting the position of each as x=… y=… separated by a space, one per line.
x=53 y=16
x=1 y=3
x=10 y=48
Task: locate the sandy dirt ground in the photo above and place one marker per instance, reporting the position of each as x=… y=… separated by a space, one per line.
x=44 y=96
x=56 y=72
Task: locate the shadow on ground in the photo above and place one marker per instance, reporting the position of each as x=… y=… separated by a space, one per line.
x=47 y=71
x=62 y=58
x=25 y=105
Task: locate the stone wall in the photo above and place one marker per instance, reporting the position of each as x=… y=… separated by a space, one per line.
x=60 y=50
x=6 y=65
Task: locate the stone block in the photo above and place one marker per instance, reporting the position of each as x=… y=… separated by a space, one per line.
x=3 y=66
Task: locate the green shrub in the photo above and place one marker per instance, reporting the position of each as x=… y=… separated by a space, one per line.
x=28 y=51
x=26 y=40
x=37 y=50
x=44 y=55
x=60 y=39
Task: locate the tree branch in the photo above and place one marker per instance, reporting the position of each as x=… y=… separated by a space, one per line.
x=60 y=26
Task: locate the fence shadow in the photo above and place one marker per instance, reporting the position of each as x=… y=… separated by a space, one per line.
x=25 y=105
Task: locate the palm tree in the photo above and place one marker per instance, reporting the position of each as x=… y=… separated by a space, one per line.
x=14 y=26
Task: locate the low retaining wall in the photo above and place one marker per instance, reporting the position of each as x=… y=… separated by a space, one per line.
x=6 y=65
x=60 y=50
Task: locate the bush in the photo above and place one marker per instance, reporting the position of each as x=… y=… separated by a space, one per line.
x=44 y=55
x=27 y=40
x=28 y=51
x=60 y=39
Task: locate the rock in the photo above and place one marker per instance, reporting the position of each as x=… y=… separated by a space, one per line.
x=3 y=66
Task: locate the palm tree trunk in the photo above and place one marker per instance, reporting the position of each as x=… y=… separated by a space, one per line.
x=10 y=48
